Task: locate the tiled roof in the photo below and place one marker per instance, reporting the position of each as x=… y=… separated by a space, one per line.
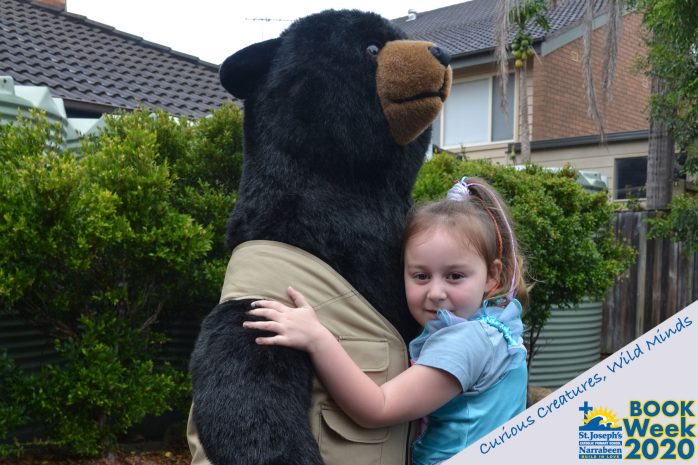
x=86 y=61
x=468 y=28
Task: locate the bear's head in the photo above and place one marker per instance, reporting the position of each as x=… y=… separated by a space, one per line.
x=339 y=81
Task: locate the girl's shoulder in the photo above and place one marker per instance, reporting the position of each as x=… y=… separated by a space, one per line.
x=497 y=322
x=477 y=351
x=504 y=328
x=454 y=345
x=502 y=322
x=491 y=341
x=447 y=328
x=452 y=335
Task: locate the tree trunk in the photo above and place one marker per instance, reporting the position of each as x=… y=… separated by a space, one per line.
x=524 y=134
x=660 y=159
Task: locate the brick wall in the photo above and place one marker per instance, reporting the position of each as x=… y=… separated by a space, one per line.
x=559 y=99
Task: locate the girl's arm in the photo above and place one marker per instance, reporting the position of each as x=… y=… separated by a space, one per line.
x=414 y=393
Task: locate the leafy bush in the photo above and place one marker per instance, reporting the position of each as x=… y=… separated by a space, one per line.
x=99 y=249
x=566 y=233
x=12 y=409
x=105 y=386
x=680 y=223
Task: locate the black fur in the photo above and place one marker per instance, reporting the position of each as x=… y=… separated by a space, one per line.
x=321 y=172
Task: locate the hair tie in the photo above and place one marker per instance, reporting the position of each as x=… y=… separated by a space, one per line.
x=459 y=192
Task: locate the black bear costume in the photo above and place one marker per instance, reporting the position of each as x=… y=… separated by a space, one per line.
x=337 y=111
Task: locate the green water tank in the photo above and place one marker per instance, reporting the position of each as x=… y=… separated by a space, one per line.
x=18 y=100
x=592 y=180
x=568 y=345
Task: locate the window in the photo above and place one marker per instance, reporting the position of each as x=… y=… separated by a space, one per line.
x=473 y=115
x=630 y=178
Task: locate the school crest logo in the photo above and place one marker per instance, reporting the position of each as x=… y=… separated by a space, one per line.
x=600 y=434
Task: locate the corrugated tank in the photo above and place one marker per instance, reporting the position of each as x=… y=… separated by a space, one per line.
x=569 y=344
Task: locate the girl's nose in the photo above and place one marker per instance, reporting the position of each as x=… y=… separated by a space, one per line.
x=436 y=292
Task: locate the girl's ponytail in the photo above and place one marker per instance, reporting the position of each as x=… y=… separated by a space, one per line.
x=481 y=193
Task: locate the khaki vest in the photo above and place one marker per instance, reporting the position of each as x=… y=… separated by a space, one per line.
x=263 y=270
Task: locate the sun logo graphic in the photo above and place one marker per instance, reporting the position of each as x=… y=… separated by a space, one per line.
x=600 y=419
x=600 y=435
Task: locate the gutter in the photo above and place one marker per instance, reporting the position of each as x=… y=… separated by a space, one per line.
x=580 y=141
x=94 y=109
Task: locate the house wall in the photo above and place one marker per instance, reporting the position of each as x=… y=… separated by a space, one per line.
x=559 y=98
x=557 y=102
x=496 y=153
x=471 y=71
x=599 y=158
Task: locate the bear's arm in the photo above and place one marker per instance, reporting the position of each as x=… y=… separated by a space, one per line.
x=251 y=402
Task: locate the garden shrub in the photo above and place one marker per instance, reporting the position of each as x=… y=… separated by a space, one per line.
x=566 y=233
x=99 y=249
x=680 y=223
x=12 y=408
x=105 y=386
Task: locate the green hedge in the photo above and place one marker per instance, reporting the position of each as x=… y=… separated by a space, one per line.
x=566 y=233
x=12 y=409
x=100 y=248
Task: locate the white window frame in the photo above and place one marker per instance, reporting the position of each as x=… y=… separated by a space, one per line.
x=514 y=116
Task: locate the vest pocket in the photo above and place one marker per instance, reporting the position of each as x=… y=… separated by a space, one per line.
x=371 y=355
x=343 y=441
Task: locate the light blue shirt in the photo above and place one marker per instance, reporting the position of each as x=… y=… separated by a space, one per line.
x=485 y=353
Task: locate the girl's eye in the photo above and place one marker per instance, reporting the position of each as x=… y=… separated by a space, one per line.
x=456 y=276
x=421 y=276
x=372 y=51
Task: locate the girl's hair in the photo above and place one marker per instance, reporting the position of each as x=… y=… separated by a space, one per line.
x=475 y=214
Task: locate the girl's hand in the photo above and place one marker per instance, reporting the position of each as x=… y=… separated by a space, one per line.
x=297 y=328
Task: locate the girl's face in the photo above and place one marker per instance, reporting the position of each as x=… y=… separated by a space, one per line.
x=441 y=273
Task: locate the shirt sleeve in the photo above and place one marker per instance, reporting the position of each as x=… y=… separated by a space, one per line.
x=472 y=352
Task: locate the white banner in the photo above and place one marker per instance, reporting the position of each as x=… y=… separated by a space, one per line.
x=638 y=405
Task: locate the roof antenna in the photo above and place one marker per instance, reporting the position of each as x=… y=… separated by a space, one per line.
x=269 y=19
x=411 y=15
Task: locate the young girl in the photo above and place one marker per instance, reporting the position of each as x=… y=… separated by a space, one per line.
x=462 y=272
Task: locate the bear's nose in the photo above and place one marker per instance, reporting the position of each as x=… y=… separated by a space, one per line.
x=441 y=55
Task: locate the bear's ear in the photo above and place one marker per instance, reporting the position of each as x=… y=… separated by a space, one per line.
x=242 y=71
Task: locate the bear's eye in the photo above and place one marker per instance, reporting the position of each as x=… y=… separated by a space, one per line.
x=372 y=51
